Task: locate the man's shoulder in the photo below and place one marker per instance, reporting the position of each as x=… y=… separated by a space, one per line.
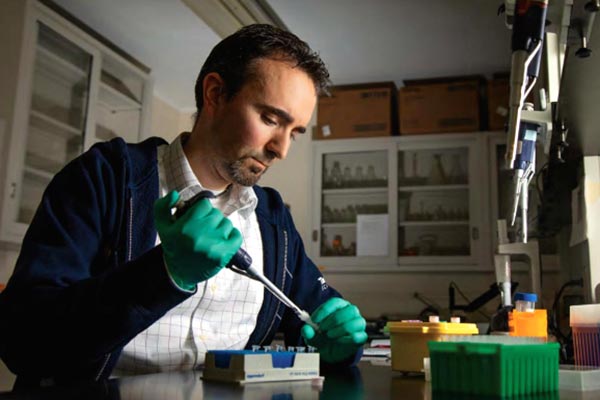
x=138 y=158
x=267 y=194
x=270 y=204
x=117 y=147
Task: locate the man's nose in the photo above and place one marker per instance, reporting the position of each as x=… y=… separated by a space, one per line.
x=280 y=144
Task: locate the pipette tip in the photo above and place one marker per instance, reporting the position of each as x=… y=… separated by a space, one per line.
x=305 y=317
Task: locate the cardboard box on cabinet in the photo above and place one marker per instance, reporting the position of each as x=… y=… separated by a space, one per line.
x=498 y=93
x=353 y=111
x=441 y=106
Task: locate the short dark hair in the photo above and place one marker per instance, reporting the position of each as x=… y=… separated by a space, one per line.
x=233 y=57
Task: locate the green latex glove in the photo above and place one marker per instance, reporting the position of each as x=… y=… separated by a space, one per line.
x=341 y=330
x=198 y=244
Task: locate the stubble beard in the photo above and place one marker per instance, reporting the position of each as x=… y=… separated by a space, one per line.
x=242 y=175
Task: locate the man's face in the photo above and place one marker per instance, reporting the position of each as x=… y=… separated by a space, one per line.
x=257 y=125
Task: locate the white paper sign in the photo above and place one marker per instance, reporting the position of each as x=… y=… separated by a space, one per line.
x=372 y=235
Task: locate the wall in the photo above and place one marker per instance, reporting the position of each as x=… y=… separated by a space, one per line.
x=165 y=119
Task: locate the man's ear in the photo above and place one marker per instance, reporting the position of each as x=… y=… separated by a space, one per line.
x=213 y=92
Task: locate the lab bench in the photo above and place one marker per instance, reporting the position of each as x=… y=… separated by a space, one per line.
x=366 y=381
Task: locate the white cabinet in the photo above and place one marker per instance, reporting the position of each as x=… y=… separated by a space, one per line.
x=439 y=197
x=426 y=191
x=353 y=178
x=73 y=91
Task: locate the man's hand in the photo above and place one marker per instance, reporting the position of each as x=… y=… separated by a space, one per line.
x=196 y=245
x=341 y=330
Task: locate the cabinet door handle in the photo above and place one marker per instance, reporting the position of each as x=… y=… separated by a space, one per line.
x=13 y=189
x=475 y=233
x=315 y=235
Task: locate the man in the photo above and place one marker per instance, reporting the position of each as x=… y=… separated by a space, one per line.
x=96 y=292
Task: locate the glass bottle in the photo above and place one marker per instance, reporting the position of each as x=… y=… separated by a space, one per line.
x=371 y=177
x=456 y=175
x=437 y=176
x=337 y=246
x=347 y=177
x=336 y=175
x=415 y=165
x=359 y=176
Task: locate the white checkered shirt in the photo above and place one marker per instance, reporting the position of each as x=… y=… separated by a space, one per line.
x=223 y=312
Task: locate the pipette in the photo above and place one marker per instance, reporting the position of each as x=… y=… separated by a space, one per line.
x=241 y=263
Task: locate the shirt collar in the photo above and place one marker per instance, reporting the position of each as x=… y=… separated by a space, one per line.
x=179 y=176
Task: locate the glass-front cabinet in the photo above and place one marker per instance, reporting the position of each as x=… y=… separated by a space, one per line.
x=436 y=193
x=352 y=222
x=120 y=101
x=407 y=202
x=72 y=92
x=57 y=116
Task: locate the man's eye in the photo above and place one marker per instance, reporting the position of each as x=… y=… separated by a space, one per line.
x=268 y=120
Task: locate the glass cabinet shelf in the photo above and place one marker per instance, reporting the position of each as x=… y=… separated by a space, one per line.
x=356 y=191
x=58 y=67
x=431 y=188
x=114 y=100
x=433 y=223
x=43 y=176
x=51 y=125
x=339 y=225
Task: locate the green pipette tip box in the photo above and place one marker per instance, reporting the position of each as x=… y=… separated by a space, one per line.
x=494 y=369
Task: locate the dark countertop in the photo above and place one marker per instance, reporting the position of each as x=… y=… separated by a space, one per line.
x=367 y=381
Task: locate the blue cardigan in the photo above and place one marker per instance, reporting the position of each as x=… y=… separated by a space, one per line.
x=89 y=277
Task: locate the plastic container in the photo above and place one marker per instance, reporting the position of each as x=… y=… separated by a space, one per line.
x=494 y=366
x=525 y=320
x=528 y=323
x=525 y=302
x=409 y=339
x=585 y=325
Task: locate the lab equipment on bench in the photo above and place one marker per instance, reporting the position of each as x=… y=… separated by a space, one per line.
x=524 y=168
x=527 y=38
x=248 y=366
x=494 y=367
x=409 y=341
x=502 y=265
x=527 y=19
x=241 y=262
x=585 y=324
x=525 y=319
